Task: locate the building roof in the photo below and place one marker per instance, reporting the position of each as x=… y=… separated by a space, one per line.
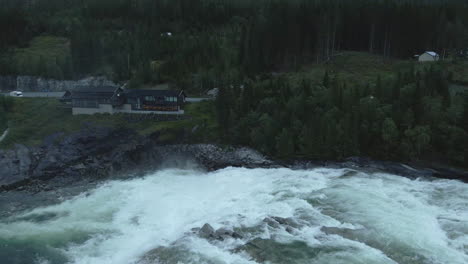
x=109 y=92
x=138 y=92
x=432 y=53
x=88 y=92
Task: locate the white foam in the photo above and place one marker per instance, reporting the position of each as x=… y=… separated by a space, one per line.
x=122 y=220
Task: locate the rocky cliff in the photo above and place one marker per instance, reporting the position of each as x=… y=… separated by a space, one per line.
x=103 y=152
x=37 y=84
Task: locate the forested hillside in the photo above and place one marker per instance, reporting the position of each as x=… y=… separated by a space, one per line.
x=211 y=39
x=289 y=84
x=411 y=114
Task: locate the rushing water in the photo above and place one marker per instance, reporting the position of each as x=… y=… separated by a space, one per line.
x=342 y=216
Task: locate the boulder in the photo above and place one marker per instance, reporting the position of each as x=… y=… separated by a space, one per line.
x=271 y=222
x=207 y=231
x=343 y=232
x=286 y=221
x=224 y=233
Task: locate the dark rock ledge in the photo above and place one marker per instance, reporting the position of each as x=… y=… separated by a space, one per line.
x=100 y=153
x=95 y=154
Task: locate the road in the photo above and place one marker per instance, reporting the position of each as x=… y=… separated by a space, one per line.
x=40 y=94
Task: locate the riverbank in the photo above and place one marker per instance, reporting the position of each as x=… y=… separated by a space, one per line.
x=97 y=153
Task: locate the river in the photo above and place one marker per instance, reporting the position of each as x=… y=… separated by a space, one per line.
x=338 y=216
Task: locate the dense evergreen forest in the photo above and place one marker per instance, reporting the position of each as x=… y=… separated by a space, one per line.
x=411 y=116
x=250 y=50
x=197 y=41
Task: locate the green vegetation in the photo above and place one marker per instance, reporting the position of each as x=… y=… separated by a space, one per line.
x=6 y=105
x=202 y=44
x=33 y=119
x=396 y=110
x=45 y=56
x=297 y=78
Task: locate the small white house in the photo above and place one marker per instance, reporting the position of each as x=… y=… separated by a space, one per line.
x=429 y=56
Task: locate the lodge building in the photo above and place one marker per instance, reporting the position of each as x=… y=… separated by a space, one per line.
x=108 y=99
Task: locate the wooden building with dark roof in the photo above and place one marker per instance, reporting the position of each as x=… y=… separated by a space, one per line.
x=108 y=99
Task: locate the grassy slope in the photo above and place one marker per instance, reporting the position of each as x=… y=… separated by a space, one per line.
x=35 y=118
x=362 y=66
x=46 y=55
x=352 y=67
x=459 y=70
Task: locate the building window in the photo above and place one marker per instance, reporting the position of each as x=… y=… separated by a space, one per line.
x=170 y=99
x=150 y=98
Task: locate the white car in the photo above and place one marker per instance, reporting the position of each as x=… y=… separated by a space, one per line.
x=16 y=94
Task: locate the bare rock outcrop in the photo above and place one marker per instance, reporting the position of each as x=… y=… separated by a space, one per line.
x=100 y=153
x=38 y=84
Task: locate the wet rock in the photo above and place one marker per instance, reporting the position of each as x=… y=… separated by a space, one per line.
x=213 y=157
x=207 y=231
x=105 y=152
x=24 y=157
x=343 y=232
x=271 y=251
x=195 y=230
x=286 y=221
x=78 y=167
x=224 y=233
x=289 y=224
x=271 y=222
x=174 y=254
x=237 y=235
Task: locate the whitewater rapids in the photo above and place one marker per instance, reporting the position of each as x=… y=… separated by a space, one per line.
x=374 y=218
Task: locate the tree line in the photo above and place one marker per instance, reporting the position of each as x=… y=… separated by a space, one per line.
x=124 y=38
x=407 y=117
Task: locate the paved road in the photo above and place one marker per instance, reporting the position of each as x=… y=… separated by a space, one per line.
x=41 y=94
